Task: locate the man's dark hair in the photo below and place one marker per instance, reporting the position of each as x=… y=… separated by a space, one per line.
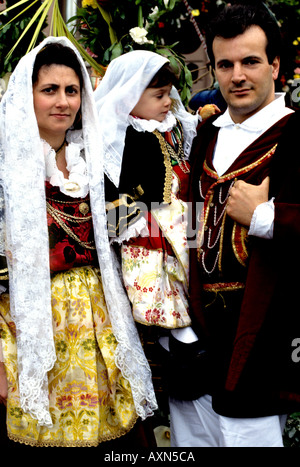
x=56 y=54
x=236 y=18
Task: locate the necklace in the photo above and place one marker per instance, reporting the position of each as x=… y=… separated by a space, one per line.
x=60 y=148
x=178 y=157
x=170 y=152
x=60 y=217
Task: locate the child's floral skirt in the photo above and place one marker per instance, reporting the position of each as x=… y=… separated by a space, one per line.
x=90 y=401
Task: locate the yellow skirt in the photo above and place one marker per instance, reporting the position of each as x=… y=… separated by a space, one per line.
x=90 y=401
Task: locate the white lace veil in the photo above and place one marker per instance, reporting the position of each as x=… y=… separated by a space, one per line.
x=124 y=81
x=22 y=176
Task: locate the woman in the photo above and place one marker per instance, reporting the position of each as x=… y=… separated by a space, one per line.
x=76 y=371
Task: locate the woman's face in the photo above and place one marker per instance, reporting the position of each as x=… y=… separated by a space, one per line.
x=57 y=99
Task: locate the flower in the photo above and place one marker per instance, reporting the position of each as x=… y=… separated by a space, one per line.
x=87 y=3
x=152 y=316
x=139 y=35
x=91 y=53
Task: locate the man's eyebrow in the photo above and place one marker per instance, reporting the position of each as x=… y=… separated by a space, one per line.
x=244 y=59
x=223 y=60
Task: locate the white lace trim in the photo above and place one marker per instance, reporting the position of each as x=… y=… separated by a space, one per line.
x=76 y=185
x=138 y=229
x=140 y=124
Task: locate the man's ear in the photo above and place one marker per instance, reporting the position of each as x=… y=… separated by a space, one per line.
x=275 y=67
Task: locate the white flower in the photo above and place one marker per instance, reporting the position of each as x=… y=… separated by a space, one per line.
x=154 y=12
x=166 y=2
x=139 y=35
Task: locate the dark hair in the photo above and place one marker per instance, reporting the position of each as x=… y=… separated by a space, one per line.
x=235 y=19
x=56 y=54
x=163 y=77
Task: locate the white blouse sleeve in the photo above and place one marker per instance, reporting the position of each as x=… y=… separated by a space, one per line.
x=262 y=222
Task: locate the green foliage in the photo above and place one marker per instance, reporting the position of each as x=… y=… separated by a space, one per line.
x=10 y=33
x=95 y=23
x=292 y=431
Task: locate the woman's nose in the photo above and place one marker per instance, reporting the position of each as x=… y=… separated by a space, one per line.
x=62 y=100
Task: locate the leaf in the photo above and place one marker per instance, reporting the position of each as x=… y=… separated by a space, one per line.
x=107 y=17
x=117 y=50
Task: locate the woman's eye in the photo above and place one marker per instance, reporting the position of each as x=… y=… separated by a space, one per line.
x=71 y=90
x=48 y=90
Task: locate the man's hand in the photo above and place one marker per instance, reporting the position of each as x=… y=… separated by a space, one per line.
x=3 y=385
x=244 y=199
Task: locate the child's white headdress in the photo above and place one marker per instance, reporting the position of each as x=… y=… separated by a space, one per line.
x=124 y=82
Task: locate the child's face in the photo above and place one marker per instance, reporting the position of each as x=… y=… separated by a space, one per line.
x=154 y=104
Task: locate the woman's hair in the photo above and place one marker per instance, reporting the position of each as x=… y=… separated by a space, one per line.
x=163 y=77
x=56 y=54
x=236 y=18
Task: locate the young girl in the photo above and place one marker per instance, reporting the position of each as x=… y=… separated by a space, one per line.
x=147 y=135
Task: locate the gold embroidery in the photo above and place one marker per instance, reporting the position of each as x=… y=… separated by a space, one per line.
x=138 y=192
x=168 y=166
x=238 y=240
x=242 y=254
x=243 y=170
x=132 y=214
x=223 y=286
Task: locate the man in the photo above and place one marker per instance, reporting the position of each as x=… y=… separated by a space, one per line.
x=243 y=267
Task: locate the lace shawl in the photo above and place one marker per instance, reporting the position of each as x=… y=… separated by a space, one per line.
x=125 y=80
x=24 y=241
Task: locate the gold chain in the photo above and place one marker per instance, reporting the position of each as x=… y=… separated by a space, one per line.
x=168 y=149
x=68 y=217
x=179 y=156
x=57 y=215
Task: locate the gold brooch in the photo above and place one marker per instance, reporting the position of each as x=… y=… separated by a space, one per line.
x=84 y=208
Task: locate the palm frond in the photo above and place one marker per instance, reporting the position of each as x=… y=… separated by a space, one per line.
x=58 y=28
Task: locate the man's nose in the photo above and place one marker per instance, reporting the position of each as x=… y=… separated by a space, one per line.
x=238 y=73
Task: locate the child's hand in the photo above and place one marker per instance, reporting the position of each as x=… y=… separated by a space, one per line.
x=208 y=110
x=3 y=384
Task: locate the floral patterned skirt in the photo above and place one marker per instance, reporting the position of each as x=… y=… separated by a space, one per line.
x=90 y=401
x=154 y=281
